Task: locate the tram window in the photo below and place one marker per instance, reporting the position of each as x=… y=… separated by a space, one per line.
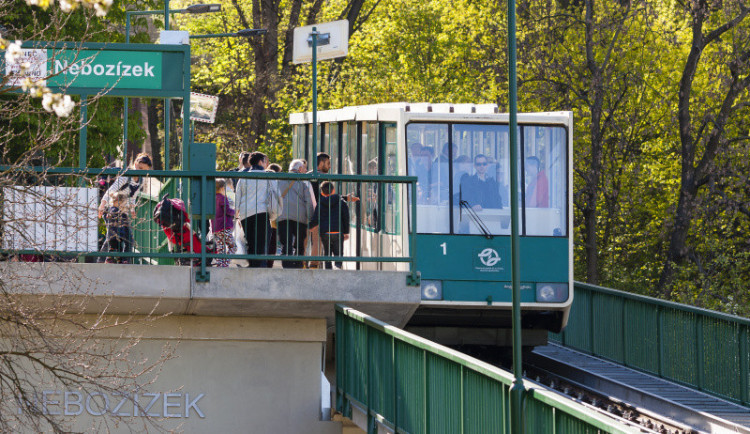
x=425 y=146
x=298 y=141
x=545 y=182
x=481 y=175
x=392 y=191
x=308 y=148
x=331 y=145
x=370 y=167
x=349 y=162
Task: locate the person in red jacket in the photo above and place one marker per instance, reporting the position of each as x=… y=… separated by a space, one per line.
x=537 y=185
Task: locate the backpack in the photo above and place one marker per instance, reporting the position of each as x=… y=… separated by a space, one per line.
x=170 y=213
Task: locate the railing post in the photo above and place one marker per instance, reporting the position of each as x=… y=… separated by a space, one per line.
x=659 y=342
x=592 y=347
x=624 y=301
x=745 y=391
x=413 y=279
x=698 y=350
x=203 y=275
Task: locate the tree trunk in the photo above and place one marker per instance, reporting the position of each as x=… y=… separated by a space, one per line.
x=694 y=176
x=153 y=133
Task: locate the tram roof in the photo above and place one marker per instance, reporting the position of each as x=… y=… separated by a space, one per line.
x=392 y=112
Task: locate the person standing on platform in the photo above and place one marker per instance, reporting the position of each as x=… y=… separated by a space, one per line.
x=332 y=217
x=253 y=209
x=222 y=224
x=297 y=211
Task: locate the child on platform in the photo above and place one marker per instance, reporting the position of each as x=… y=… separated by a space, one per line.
x=119 y=237
x=222 y=225
x=332 y=214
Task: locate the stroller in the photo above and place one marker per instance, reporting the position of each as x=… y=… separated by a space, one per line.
x=173 y=218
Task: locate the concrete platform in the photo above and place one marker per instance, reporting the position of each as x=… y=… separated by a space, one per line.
x=244 y=292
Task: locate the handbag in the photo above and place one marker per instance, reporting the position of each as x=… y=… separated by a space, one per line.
x=273 y=202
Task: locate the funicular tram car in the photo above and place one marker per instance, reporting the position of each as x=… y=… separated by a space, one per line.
x=461 y=158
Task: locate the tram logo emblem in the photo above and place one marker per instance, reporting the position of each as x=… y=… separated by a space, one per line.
x=489 y=257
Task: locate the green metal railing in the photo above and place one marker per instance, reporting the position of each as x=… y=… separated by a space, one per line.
x=151 y=244
x=699 y=348
x=411 y=385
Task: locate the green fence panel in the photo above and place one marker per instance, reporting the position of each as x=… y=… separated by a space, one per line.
x=679 y=345
x=410 y=388
x=443 y=395
x=438 y=390
x=486 y=408
x=578 y=332
x=608 y=324
x=357 y=356
x=571 y=425
x=721 y=337
x=381 y=379
x=678 y=342
x=641 y=340
x=544 y=417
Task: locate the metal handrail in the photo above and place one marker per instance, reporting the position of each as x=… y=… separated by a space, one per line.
x=202 y=178
x=360 y=342
x=681 y=343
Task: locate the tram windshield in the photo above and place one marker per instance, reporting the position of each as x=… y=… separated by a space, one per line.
x=463 y=178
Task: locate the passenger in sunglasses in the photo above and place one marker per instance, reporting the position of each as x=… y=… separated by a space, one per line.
x=480 y=190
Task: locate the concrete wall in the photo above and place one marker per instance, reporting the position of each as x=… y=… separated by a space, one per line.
x=227 y=375
x=230 y=292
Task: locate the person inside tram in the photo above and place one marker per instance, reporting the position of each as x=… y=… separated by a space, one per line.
x=480 y=190
x=420 y=165
x=461 y=169
x=440 y=186
x=537 y=186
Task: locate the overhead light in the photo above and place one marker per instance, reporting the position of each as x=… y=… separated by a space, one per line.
x=251 y=32
x=202 y=9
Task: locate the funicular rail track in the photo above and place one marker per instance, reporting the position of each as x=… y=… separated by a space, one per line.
x=652 y=404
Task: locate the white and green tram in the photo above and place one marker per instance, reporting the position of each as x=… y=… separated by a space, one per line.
x=461 y=157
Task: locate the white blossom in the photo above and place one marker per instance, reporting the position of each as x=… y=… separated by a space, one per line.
x=13 y=53
x=44 y=4
x=68 y=5
x=64 y=106
x=48 y=100
x=27 y=84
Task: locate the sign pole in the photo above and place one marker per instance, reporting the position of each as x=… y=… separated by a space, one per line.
x=517 y=390
x=82 y=137
x=314 y=156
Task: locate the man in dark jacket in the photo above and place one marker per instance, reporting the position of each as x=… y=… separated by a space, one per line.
x=332 y=215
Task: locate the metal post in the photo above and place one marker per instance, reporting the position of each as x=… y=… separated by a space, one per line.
x=744 y=374
x=414 y=277
x=203 y=275
x=126 y=103
x=168 y=101
x=167 y=127
x=314 y=156
x=84 y=129
x=517 y=390
x=166 y=14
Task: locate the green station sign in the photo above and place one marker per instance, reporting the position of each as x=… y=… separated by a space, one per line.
x=115 y=69
x=105 y=69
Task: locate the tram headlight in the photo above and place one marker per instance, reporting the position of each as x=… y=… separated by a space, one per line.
x=551 y=292
x=432 y=290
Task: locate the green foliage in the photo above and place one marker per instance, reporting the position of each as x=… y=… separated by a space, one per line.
x=455 y=51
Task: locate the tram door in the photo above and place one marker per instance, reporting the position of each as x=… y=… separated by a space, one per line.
x=370 y=203
x=392 y=235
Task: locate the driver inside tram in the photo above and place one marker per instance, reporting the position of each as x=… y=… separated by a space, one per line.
x=480 y=190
